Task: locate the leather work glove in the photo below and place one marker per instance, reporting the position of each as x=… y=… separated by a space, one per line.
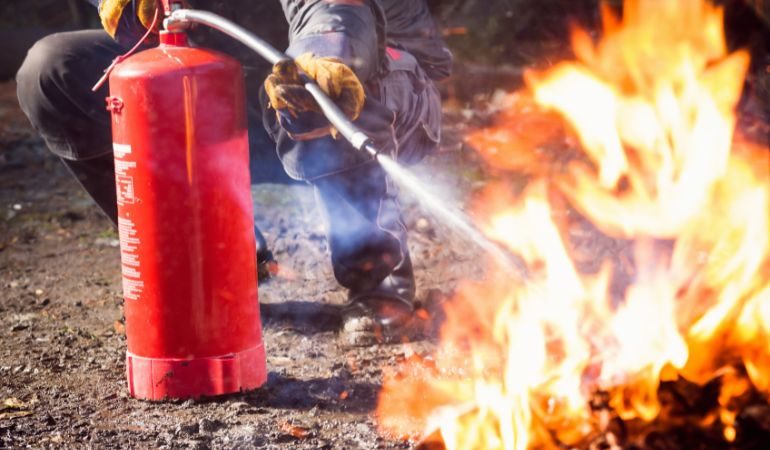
x=111 y=13
x=287 y=94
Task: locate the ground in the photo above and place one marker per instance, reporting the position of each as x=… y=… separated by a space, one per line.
x=62 y=343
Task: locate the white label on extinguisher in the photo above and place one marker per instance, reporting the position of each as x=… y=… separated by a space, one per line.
x=124 y=177
x=121 y=150
x=130 y=265
x=129 y=241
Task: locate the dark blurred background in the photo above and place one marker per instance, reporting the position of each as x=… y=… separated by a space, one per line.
x=24 y=22
x=485 y=31
x=490 y=38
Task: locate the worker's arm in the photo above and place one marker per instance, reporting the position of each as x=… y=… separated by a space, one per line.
x=351 y=30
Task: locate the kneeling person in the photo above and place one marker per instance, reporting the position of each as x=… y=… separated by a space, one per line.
x=377 y=58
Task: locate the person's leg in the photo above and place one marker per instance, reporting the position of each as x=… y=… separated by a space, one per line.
x=97 y=176
x=368 y=244
x=367 y=238
x=353 y=193
x=54 y=90
x=370 y=257
x=366 y=235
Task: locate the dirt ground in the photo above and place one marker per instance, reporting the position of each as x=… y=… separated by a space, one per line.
x=62 y=341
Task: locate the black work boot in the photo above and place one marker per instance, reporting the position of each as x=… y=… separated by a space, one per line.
x=266 y=264
x=381 y=314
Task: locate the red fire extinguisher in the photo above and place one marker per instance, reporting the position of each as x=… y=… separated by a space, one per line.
x=185 y=223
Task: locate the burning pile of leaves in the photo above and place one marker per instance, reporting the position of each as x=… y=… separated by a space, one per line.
x=661 y=339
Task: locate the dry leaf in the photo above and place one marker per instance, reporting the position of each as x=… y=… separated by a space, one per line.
x=14 y=414
x=13 y=403
x=294 y=430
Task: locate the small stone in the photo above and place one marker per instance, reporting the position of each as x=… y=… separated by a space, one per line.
x=106 y=242
x=295 y=431
x=39 y=292
x=422 y=225
x=119 y=327
x=239 y=406
x=164 y=439
x=19 y=327
x=208 y=425
x=188 y=428
x=199 y=445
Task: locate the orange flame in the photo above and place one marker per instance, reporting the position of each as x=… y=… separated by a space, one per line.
x=660 y=173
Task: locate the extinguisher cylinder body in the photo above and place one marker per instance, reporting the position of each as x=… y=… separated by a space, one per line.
x=185 y=220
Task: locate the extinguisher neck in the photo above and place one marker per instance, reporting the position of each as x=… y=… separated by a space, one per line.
x=170 y=6
x=174 y=38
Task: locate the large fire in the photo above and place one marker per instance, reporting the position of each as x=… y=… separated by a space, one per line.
x=686 y=293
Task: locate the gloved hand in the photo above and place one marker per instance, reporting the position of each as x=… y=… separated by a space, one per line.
x=111 y=12
x=285 y=89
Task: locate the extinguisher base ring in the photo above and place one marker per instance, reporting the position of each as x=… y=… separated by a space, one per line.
x=174 y=378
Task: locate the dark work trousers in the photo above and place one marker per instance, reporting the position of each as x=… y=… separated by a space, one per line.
x=366 y=235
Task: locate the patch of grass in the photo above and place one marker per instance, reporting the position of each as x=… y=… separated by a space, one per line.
x=108 y=233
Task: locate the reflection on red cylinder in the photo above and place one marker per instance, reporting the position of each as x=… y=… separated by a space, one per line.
x=185 y=223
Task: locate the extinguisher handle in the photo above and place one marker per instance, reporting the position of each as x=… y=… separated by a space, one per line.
x=180 y=19
x=170 y=5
